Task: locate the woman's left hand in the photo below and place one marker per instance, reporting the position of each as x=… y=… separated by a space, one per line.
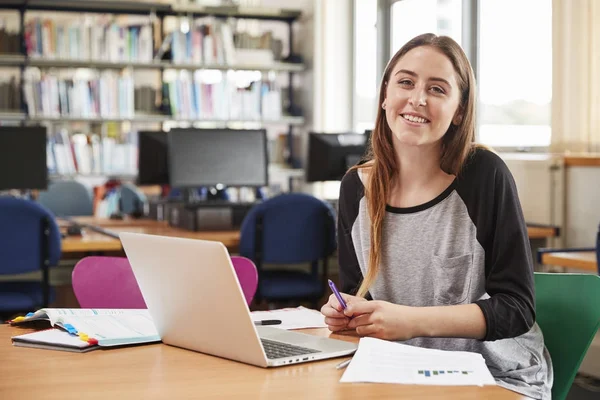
x=382 y=320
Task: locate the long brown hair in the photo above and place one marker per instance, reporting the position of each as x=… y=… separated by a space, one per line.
x=456 y=142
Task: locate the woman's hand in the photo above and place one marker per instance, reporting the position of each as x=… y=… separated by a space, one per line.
x=382 y=320
x=334 y=317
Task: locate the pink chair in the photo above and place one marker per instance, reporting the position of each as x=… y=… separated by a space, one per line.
x=108 y=282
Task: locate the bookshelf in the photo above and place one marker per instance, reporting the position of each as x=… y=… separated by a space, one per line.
x=34 y=109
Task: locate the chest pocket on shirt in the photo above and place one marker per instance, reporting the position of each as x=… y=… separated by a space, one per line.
x=452 y=278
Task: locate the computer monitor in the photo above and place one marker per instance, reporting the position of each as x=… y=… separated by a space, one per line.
x=23 y=163
x=331 y=154
x=212 y=157
x=153 y=158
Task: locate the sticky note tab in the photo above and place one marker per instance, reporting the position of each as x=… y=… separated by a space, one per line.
x=17 y=319
x=71 y=329
x=30 y=314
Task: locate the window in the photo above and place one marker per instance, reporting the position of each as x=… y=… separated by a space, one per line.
x=515 y=73
x=414 y=17
x=365 y=64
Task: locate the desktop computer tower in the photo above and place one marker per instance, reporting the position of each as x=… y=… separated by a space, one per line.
x=158 y=209
x=205 y=216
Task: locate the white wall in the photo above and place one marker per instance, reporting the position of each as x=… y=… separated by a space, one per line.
x=582 y=211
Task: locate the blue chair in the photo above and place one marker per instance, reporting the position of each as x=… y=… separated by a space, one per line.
x=596 y=249
x=68 y=198
x=290 y=228
x=29 y=241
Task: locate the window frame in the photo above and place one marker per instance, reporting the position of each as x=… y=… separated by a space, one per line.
x=470 y=42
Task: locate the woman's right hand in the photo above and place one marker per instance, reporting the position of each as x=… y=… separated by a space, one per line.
x=334 y=314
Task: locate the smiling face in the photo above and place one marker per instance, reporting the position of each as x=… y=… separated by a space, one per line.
x=422 y=97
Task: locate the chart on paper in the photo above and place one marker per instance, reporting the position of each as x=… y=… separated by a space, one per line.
x=381 y=361
x=433 y=373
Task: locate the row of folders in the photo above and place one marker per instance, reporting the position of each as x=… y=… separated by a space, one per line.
x=111 y=94
x=91 y=154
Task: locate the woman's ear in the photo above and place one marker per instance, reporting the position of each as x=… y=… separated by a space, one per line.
x=458 y=116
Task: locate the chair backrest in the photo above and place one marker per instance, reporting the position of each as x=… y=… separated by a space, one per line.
x=568 y=312
x=296 y=228
x=21 y=236
x=109 y=282
x=132 y=199
x=106 y=282
x=247 y=276
x=68 y=198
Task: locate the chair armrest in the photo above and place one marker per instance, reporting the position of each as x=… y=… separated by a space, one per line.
x=542 y=251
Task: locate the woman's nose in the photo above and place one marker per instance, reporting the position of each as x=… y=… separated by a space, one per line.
x=418 y=98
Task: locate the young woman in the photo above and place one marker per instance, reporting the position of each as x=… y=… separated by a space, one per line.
x=433 y=247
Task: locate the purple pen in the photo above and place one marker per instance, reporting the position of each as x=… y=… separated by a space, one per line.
x=337 y=293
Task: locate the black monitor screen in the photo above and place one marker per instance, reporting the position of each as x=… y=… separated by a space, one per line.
x=153 y=158
x=208 y=157
x=331 y=154
x=23 y=158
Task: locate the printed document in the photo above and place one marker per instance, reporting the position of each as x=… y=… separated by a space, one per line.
x=383 y=361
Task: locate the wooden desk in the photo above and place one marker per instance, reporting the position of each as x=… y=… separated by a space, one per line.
x=97 y=242
x=159 y=371
x=584 y=260
x=541 y=232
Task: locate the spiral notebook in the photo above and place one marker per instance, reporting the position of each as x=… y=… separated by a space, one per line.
x=94 y=327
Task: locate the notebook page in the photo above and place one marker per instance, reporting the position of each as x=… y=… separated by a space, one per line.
x=382 y=361
x=117 y=328
x=52 y=337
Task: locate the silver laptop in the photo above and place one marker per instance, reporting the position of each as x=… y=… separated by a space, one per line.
x=193 y=294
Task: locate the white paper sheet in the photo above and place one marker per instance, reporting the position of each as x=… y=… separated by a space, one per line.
x=292 y=318
x=382 y=361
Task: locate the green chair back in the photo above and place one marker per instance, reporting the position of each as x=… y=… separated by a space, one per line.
x=568 y=312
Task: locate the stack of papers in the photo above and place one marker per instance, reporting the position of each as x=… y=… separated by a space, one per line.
x=382 y=361
x=292 y=318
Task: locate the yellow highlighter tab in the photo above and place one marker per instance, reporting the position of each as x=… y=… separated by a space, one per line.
x=17 y=319
x=83 y=336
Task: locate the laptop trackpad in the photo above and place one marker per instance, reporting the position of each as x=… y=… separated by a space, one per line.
x=305 y=340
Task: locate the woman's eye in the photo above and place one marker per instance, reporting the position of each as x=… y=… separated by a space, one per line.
x=405 y=82
x=438 y=89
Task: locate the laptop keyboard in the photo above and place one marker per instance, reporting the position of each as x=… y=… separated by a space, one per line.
x=281 y=350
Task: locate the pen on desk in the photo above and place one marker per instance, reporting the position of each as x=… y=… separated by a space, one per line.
x=337 y=294
x=268 y=322
x=343 y=364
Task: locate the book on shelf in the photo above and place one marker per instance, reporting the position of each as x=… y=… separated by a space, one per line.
x=9 y=41
x=101 y=94
x=206 y=41
x=89 y=38
x=194 y=95
x=94 y=328
x=91 y=153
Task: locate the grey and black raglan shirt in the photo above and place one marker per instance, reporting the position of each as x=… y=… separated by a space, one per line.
x=468 y=245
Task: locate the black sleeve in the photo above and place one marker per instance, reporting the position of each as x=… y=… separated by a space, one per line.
x=502 y=232
x=351 y=191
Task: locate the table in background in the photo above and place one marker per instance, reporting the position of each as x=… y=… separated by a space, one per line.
x=92 y=241
x=581 y=260
x=159 y=371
